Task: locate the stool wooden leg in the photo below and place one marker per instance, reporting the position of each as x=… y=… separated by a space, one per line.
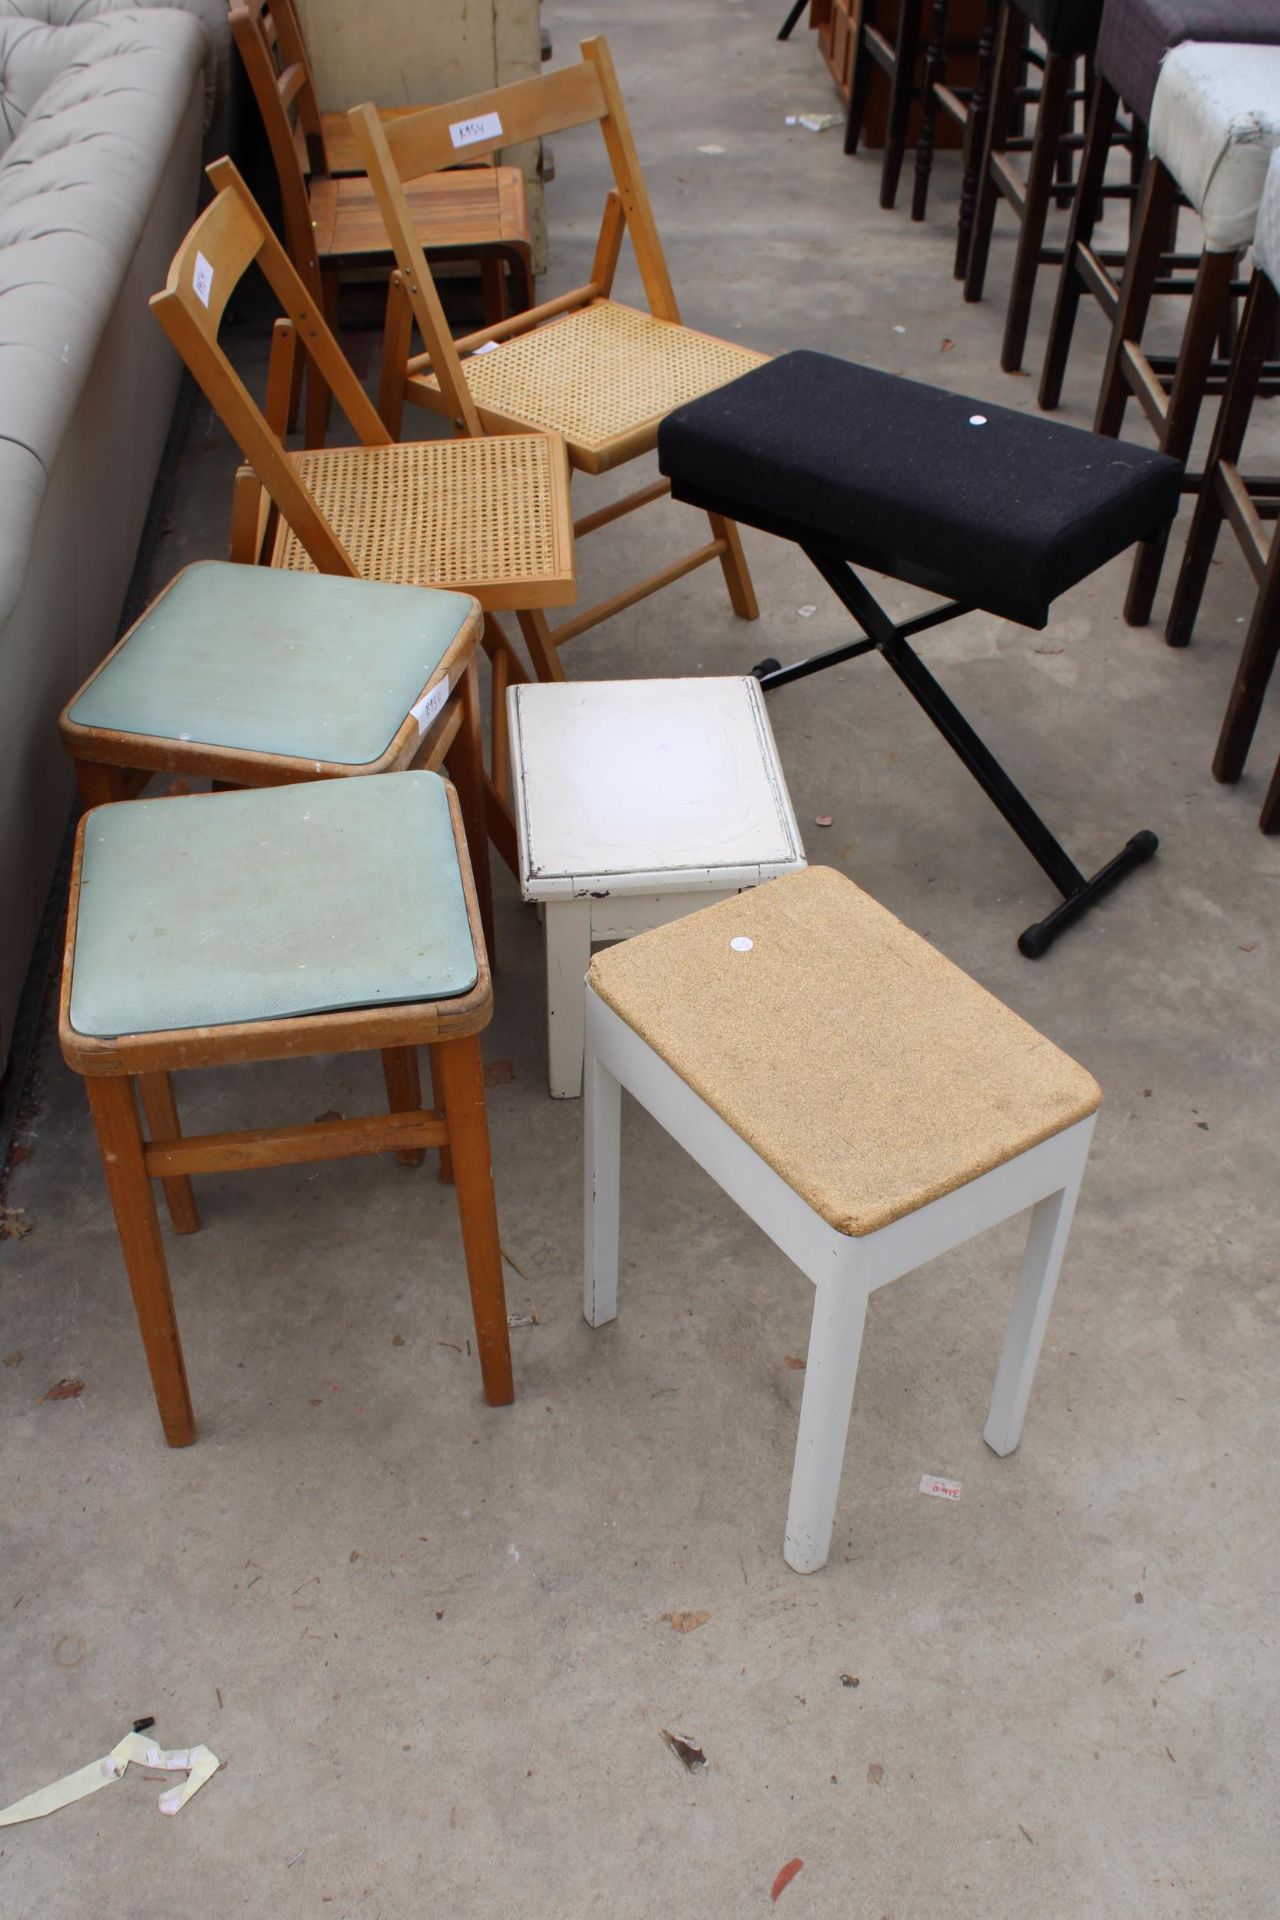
x=458 y=1066
x=1257 y=660
x=567 y=925
x=602 y=1143
x=466 y=770
x=902 y=93
x=161 y=1109
x=1085 y=209
x=540 y=641
x=493 y=282
x=437 y=1100
x=1269 y=818
x=835 y=1341
x=733 y=563
x=935 y=72
x=1156 y=206
x=404 y=1093
x=1212 y=293
x=1051 y=125
x=999 y=128
x=99 y=784
x=975 y=134
x=1046 y=1244
x=1256 y=334
x=860 y=80
x=115 y=1119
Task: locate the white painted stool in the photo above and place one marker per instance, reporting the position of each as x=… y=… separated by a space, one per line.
x=638 y=801
x=865 y=1102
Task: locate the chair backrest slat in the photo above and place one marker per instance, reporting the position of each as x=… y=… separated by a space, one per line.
x=230 y=236
x=470 y=129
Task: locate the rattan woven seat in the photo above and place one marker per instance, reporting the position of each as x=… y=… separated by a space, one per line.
x=487 y=517
x=605 y=377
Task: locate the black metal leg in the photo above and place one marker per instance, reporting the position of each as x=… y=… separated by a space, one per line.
x=784 y=32
x=890 y=639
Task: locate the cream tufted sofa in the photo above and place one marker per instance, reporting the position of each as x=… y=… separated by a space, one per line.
x=102 y=114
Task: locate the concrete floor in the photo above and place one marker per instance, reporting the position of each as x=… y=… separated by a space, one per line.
x=428 y=1639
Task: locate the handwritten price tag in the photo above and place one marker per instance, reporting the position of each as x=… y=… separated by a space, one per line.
x=425 y=710
x=485 y=126
x=941 y=1489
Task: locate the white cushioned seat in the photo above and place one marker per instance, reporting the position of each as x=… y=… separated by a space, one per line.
x=1266 y=232
x=1215 y=122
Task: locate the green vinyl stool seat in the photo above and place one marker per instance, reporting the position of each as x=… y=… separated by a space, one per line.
x=254 y=677
x=216 y=909
x=218 y=929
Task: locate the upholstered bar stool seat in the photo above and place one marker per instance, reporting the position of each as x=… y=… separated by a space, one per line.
x=1215 y=121
x=1133 y=40
x=866 y=1103
x=989 y=507
x=218 y=929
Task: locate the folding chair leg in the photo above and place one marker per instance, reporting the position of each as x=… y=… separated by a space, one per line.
x=319 y=398
x=733 y=562
x=540 y=641
x=404 y=1093
x=115 y=1119
x=161 y=1109
x=460 y=1074
x=437 y=1100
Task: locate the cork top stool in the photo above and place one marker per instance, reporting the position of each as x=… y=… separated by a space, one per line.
x=637 y=801
x=218 y=929
x=864 y=1102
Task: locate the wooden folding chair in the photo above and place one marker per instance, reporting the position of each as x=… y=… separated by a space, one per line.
x=490 y=517
x=602 y=374
x=331 y=221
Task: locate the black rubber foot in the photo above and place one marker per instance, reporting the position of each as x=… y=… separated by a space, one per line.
x=765 y=667
x=1037 y=940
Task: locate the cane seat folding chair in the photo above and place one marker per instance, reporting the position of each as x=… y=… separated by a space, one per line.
x=1229 y=495
x=252 y=677
x=331 y=221
x=602 y=374
x=219 y=929
x=487 y=517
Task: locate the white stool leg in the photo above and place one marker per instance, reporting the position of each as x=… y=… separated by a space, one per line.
x=602 y=1116
x=568 y=931
x=835 y=1340
x=1046 y=1243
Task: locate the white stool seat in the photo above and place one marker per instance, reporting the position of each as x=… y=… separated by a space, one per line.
x=637 y=801
x=865 y=1102
x=1215 y=121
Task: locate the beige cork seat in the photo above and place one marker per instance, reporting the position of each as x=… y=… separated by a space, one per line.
x=602 y=374
x=487 y=517
x=862 y=1099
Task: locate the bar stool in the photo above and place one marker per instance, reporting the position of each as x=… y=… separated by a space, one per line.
x=637 y=801
x=1214 y=122
x=863 y=1101
x=1227 y=494
x=912 y=72
x=1133 y=40
x=983 y=505
x=255 y=677
x=219 y=929
x=1069 y=29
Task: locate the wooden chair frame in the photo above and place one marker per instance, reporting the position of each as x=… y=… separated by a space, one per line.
x=117 y=1070
x=231 y=235
x=105 y=757
x=401 y=153
x=268 y=37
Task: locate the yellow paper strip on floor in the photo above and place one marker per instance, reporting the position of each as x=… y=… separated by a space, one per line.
x=198 y=1763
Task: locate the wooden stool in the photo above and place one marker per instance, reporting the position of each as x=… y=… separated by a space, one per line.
x=254 y=677
x=638 y=801
x=1214 y=124
x=1227 y=494
x=1133 y=40
x=1069 y=29
x=218 y=929
x=990 y=507
x=864 y=1102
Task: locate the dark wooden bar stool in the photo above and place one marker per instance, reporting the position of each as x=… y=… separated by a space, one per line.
x=983 y=505
x=1133 y=39
x=1215 y=120
x=1069 y=29
x=224 y=928
x=896 y=46
x=1244 y=504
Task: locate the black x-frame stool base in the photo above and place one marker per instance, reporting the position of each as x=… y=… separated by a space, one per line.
x=890 y=640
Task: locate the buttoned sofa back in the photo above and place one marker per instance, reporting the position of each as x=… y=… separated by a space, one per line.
x=100 y=134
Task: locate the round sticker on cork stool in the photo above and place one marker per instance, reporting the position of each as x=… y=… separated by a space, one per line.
x=741 y=944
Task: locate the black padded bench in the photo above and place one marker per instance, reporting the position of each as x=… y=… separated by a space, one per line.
x=994 y=510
